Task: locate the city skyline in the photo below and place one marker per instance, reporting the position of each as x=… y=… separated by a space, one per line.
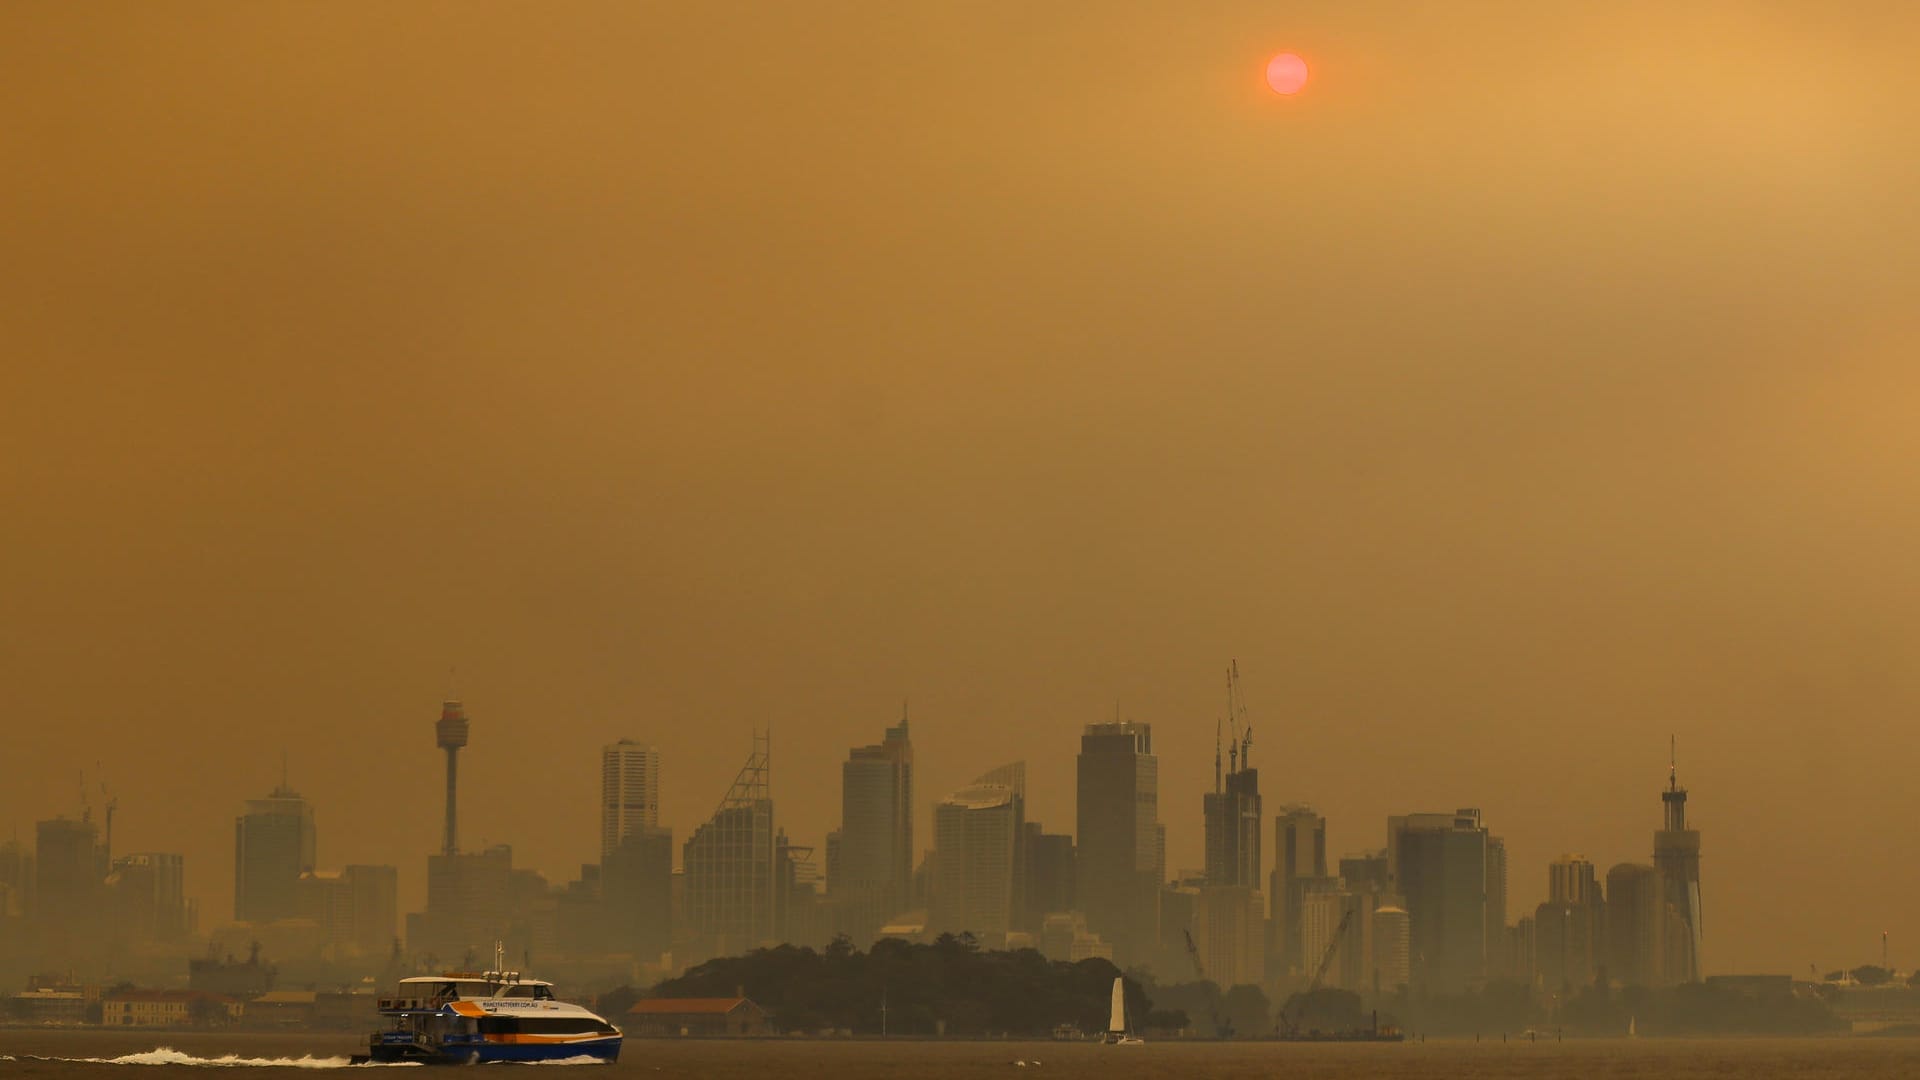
x=1505 y=404
x=1245 y=951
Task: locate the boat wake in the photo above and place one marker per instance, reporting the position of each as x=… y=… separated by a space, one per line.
x=167 y=1055
x=583 y=1059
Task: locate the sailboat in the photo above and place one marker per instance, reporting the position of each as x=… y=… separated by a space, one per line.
x=1117 y=1020
x=1631 y=1024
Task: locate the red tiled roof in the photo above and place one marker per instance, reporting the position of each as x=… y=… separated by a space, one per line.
x=685 y=1006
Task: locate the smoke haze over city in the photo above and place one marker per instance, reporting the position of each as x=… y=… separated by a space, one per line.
x=1534 y=387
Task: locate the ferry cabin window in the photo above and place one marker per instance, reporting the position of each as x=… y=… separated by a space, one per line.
x=544 y=1025
x=524 y=990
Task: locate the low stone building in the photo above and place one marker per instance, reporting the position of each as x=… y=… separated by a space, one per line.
x=736 y=1017
x=167 y=1008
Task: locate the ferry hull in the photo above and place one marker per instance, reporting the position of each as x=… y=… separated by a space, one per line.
x=487 y=1052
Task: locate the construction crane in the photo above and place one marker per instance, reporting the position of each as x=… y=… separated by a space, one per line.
x=1319 y=973
x=1220 y=1026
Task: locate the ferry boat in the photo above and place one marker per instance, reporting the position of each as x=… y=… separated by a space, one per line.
x=472 y=1018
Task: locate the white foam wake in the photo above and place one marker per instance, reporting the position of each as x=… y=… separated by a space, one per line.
x=167 y=1055
x=583 y=1059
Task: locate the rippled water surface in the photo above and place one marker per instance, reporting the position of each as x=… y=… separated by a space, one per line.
x=76 y=1055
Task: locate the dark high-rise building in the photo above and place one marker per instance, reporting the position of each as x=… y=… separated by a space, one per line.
x=69 y=891
x=1119 y=839
x=469 y=907
x=1676 y=854
x=1439 y=865
x=800 y=914
x=636 y=885
x=16 y=897
x=1299 y=867
x=870 y=857
x=273 y=844
x=373 y=896
x=978 y=834
x=1570 y=927
x=149 y=900
x=1635 y=918
x=1049 y=876
x=1499 y=962
x=728 y=864
x=1232 y=818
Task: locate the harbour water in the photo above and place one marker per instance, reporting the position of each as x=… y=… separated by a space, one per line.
x=115 y=1055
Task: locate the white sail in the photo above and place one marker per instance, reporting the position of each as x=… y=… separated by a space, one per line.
x=1117 y=1022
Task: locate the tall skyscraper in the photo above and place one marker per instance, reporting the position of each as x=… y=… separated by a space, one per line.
x=1117 y=820
x=1636 y=910
x=373 y=895
x=1392 y=944
x=1232 y=818
x=1439 y=865
x=977 y=839
x=1049 y=884
x=273 y=844
x=149 y=897
x=1676 y=854
x=629 y=792
x=69 y=891
x=1231 y=909
x=1571 y=880
x=469 y=906
x=636 y=883
x=1230 y=932
x=728 y=865
x=1571 y=926
x=1299 y=867
x=870 y=856
x=1499 y=962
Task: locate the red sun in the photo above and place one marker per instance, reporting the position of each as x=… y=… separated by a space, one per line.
x=1286 y=74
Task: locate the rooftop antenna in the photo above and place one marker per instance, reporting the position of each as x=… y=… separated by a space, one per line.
x=1673 y=768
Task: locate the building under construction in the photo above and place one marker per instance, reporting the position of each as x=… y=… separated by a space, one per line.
x=728 y=864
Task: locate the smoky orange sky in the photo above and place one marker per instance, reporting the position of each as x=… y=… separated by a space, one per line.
x=1539 y=382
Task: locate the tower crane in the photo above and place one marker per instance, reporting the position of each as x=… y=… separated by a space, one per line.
x=1326 y=961
x=1220 y=1026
